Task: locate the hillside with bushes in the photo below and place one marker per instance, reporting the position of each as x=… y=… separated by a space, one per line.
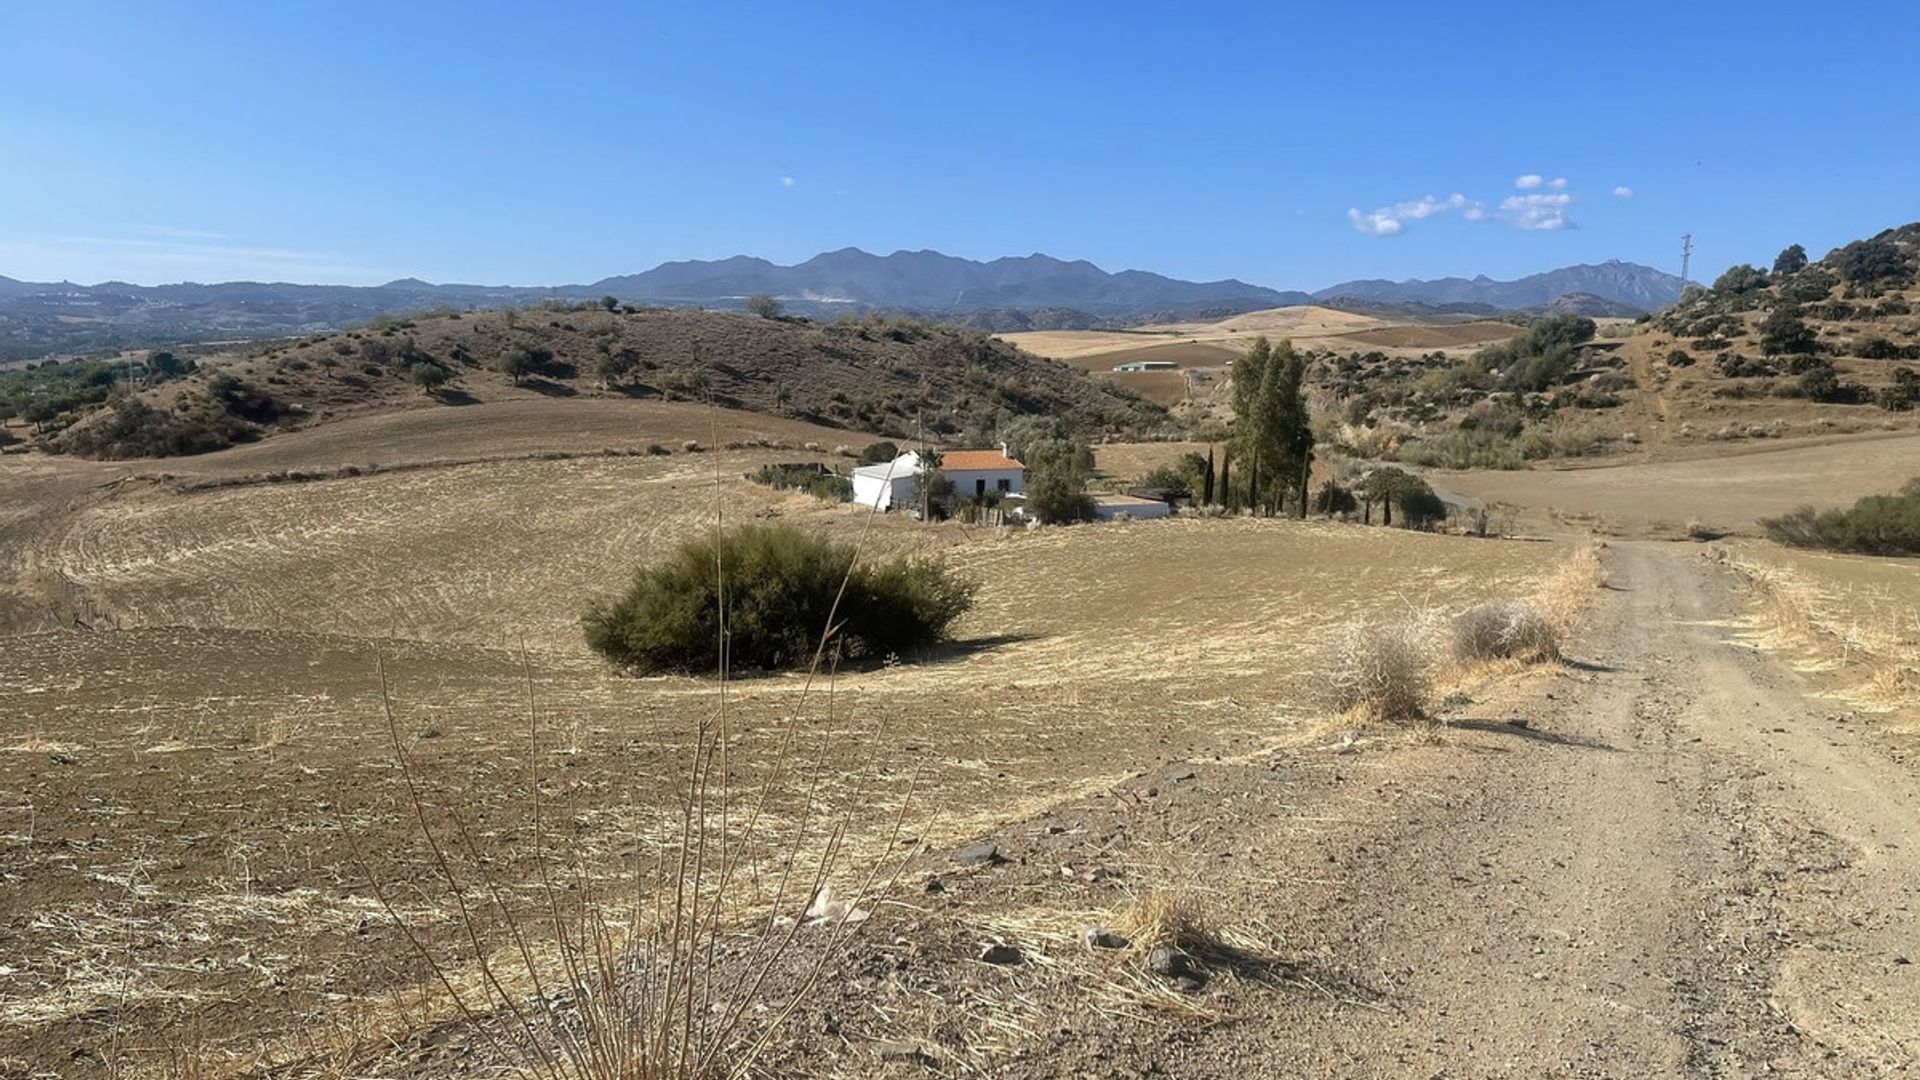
x=885 y=375
x=1800 y=348
x=1801 y=344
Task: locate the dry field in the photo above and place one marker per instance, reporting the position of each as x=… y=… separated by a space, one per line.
x=1212 y=344
x=195 y=803
x=1203 y=350
x=1723 y=485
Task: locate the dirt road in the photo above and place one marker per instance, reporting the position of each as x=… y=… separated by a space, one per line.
x=1682 y=866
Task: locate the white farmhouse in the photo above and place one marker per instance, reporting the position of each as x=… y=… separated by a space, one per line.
x=974 y=474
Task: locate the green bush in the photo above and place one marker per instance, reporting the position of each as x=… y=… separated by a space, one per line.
x=1540 y=358
x=1875 y=525
x=816 y=480
x=1467 y=448
x=133 y=429
x=1904 y=394
x=1057 y=475
x=781 y=587
x=879 y=453
x=1740 y=279
x=1783 y=333
x=1871 y=261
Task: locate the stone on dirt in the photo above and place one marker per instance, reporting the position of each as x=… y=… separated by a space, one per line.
x=999 y=953
x=981 y=854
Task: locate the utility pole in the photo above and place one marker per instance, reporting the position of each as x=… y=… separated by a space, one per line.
x=1686 y=259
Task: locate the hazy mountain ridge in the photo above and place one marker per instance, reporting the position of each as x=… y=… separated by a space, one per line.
x=1017 y=292
x=1632 y=287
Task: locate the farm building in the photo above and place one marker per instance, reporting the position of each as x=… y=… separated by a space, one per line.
x=973 y=473
x=888 y=484
x=1111 y=507
x=976 y=472
x=1147 y=365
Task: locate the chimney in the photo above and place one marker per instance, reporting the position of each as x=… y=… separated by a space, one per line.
x=1003 y=451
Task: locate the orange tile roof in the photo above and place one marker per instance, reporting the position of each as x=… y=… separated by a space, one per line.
x=977 y=459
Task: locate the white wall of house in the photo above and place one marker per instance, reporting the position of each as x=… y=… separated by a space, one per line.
x=889 y=484
x=972 y=483
x=882 y=492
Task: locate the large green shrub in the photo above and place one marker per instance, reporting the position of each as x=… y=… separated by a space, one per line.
x=1540 y=358
x=1875 y=525
x=781 y=585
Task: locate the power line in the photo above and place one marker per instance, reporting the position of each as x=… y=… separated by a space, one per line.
x=1686 y=259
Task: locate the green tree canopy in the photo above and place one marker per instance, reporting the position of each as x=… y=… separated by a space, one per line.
x=1056 y=485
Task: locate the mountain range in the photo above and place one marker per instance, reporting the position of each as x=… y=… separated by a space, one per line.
x=1641 y=288
x=1028 y=292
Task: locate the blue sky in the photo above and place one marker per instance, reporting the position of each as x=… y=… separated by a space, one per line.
x=558 y=143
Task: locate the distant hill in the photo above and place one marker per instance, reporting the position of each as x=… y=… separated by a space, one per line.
x=877 y=374
x=1630 y=286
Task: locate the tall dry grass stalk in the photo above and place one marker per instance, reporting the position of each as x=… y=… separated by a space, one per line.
x=1568 y=592
x=688 y=970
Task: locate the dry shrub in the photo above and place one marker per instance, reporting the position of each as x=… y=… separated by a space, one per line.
x=1496 y=631
x=1174 y=917
x=1380 y=671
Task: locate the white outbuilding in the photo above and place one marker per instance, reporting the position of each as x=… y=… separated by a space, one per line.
x=887 y=484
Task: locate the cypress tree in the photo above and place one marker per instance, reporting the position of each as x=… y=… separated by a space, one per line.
x=1206 y=498
x=1294 y=434
x=1250 y=433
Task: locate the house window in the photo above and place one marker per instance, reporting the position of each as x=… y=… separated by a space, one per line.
x=980 y=487
x=1003 y=484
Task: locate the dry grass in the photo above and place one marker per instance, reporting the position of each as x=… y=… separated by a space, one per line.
x=1732 y=485
x=1569 y=591
x=1388 y=670
x=1176 y=917
x=1852 y=619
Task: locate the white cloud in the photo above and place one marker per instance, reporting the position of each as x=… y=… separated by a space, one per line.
x=1538 y=212
x=787 y=181
x=1391 y=220
x=174 y=232
x=1623 y=192
x=1545 y=207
